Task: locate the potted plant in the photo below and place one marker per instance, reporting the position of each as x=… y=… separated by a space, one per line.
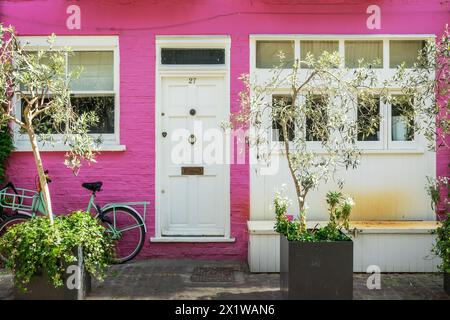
x=55 y=260
x=309 y=126
x=316 y=263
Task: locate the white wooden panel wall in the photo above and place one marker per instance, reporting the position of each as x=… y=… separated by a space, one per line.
x=264 y=253
x=408 y=252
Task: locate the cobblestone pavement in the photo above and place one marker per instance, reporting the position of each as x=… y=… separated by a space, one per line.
x=186 y=279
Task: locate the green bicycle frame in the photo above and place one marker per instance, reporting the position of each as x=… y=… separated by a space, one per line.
x=39 y=204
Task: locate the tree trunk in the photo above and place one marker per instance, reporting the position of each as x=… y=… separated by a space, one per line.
x=42 y=176
x=301 y=202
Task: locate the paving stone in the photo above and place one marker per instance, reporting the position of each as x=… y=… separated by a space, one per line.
x=173 y=279
x=213 y=274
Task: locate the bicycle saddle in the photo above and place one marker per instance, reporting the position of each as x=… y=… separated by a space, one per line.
x=93 y=186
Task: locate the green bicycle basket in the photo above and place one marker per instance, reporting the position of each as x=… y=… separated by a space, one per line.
x=24 y=199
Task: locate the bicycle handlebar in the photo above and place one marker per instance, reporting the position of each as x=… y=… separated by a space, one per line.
x=47 y=177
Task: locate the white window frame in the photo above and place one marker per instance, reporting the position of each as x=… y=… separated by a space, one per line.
x=111 y=142
x=384 y=145
x=192 y=42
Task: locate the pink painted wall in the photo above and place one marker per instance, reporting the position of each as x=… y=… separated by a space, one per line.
x=129 y=175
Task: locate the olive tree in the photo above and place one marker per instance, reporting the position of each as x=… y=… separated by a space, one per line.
x=39 y=79
x=336 y=107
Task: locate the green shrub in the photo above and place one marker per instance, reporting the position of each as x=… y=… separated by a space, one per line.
x=38 y=246
x=442 y=245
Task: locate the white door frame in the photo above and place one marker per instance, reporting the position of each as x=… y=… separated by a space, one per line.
x=165 y=71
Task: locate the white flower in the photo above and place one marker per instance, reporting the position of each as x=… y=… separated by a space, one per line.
x=349 y=201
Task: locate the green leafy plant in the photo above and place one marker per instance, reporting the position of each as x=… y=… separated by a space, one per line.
x=340 y=208
x=435 y=187
x=442 y=245
x=38 y=246
x=6 y=147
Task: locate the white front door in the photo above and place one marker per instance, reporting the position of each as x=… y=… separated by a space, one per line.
x=194 y=195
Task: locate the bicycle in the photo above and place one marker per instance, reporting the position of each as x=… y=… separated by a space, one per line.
x=121 y=220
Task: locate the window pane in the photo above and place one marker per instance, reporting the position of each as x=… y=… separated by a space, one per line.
x=280 y=102
x=192 y=56
x=317 y=48
x=268 y=53
x=405 y=51
x=103 y=106
x=97 y=70
x=369 y=119
x=362 y=49
x=402 y=121
x=316 y=118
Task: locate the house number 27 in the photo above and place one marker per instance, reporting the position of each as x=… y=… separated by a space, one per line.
x=192 y=80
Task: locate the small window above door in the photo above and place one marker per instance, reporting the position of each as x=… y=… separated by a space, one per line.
x=190 y=56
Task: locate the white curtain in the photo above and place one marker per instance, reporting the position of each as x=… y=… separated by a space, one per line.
x=363 y=49
x=267 y=53
x=97 y=70
x=316 y=48
x=404 y=51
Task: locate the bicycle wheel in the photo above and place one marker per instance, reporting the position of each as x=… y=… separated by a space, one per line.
x=127 y=231
x=8 y=223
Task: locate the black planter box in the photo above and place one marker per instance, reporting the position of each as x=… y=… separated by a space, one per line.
x=316 y=270
x=41 y=288
x=447 y=282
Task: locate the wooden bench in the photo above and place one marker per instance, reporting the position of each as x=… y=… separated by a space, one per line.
x=393 y=246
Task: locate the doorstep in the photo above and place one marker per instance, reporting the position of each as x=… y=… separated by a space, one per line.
x=192 y=239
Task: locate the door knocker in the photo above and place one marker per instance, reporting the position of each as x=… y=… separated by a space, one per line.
x=192 y=139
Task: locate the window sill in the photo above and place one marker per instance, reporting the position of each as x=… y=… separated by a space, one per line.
x=192 y=239
x=368 y=151
x=393 y=151
x=25 y=147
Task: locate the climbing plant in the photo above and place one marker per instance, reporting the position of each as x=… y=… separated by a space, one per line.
x=6 y=147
